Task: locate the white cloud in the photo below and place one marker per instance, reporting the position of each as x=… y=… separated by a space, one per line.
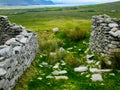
x=98 y=1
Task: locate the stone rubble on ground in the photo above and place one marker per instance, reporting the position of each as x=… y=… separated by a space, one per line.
x=56 y=66
x=61 y=77
x=96 y=77
x=80 y=69
x=53 y=53
x=56 y=72
x=49 y=76
x=55 y=30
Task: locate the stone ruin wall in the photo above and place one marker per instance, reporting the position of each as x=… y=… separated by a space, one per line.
x=18 y=48
x=105 y=35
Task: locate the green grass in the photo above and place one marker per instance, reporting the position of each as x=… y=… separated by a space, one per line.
x=68 y=20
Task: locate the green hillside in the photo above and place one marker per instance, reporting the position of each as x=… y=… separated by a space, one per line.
x=74 y=25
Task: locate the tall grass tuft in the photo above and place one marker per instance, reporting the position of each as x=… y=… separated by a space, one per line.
x=115 y=59
x=76 y=34
x=71 y=61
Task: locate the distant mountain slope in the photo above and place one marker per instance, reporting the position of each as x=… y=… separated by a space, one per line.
x=102 y=7
x=25 y=2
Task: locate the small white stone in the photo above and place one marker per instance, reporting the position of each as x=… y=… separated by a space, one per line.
x=55 y=30
x=109 y=62
x=89 y=61
x=81 y=69
x=56 y=66
x=102 y=84
x=40 y=78
x=61 y=77
x=62 y=49
x=89 y=56
x=41 y=65
x=53 y=53
x=44 y=63
x=104 y=70
x=93 y=70
x=56 y=72
x=63 y=72
x=79 y=49
x=97 y=63
x=112 y=74
x=70 y=48
x=88 y=75
x=63 y=63
x=86 y=50
x=97 y=77
x=50 y=77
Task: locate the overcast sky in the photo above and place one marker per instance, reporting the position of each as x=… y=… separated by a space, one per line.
x=81 y=1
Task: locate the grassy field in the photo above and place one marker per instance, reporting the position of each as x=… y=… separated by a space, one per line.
x=74 y=25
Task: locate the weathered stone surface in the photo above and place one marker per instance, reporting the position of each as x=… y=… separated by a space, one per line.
x=104 y=35
x=113 y=25
x=18 y=48
x=81 y=69
x=2 y=72
x=96 y=77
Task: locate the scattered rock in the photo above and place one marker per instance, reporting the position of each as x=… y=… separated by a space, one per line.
x=53 y=53
x=63 y=63
x=93 y=70
x=102 y=84
x=96 y=77
x=81 y=69
x=56 y=66
x=89 y=61
x=111 y=74
x=44 y=63
x=62 y=49
x=86 y=50
x=61 y=77
x=63 y=72
x=56 y=72
x=55 y=30
x=104 y=70
x=40 y=78
x=88 y=75
x=89 y=56
x=79 y=49
x=49 y=77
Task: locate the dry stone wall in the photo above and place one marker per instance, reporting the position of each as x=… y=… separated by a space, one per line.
x=105 y=35
x=18 y=48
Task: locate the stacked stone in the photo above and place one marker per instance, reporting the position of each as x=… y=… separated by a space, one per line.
x=8 y=30
x=105 y=35
x=16 y=55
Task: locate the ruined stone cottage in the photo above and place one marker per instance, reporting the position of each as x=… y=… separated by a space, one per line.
x=18 y=48
x=105 y=35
